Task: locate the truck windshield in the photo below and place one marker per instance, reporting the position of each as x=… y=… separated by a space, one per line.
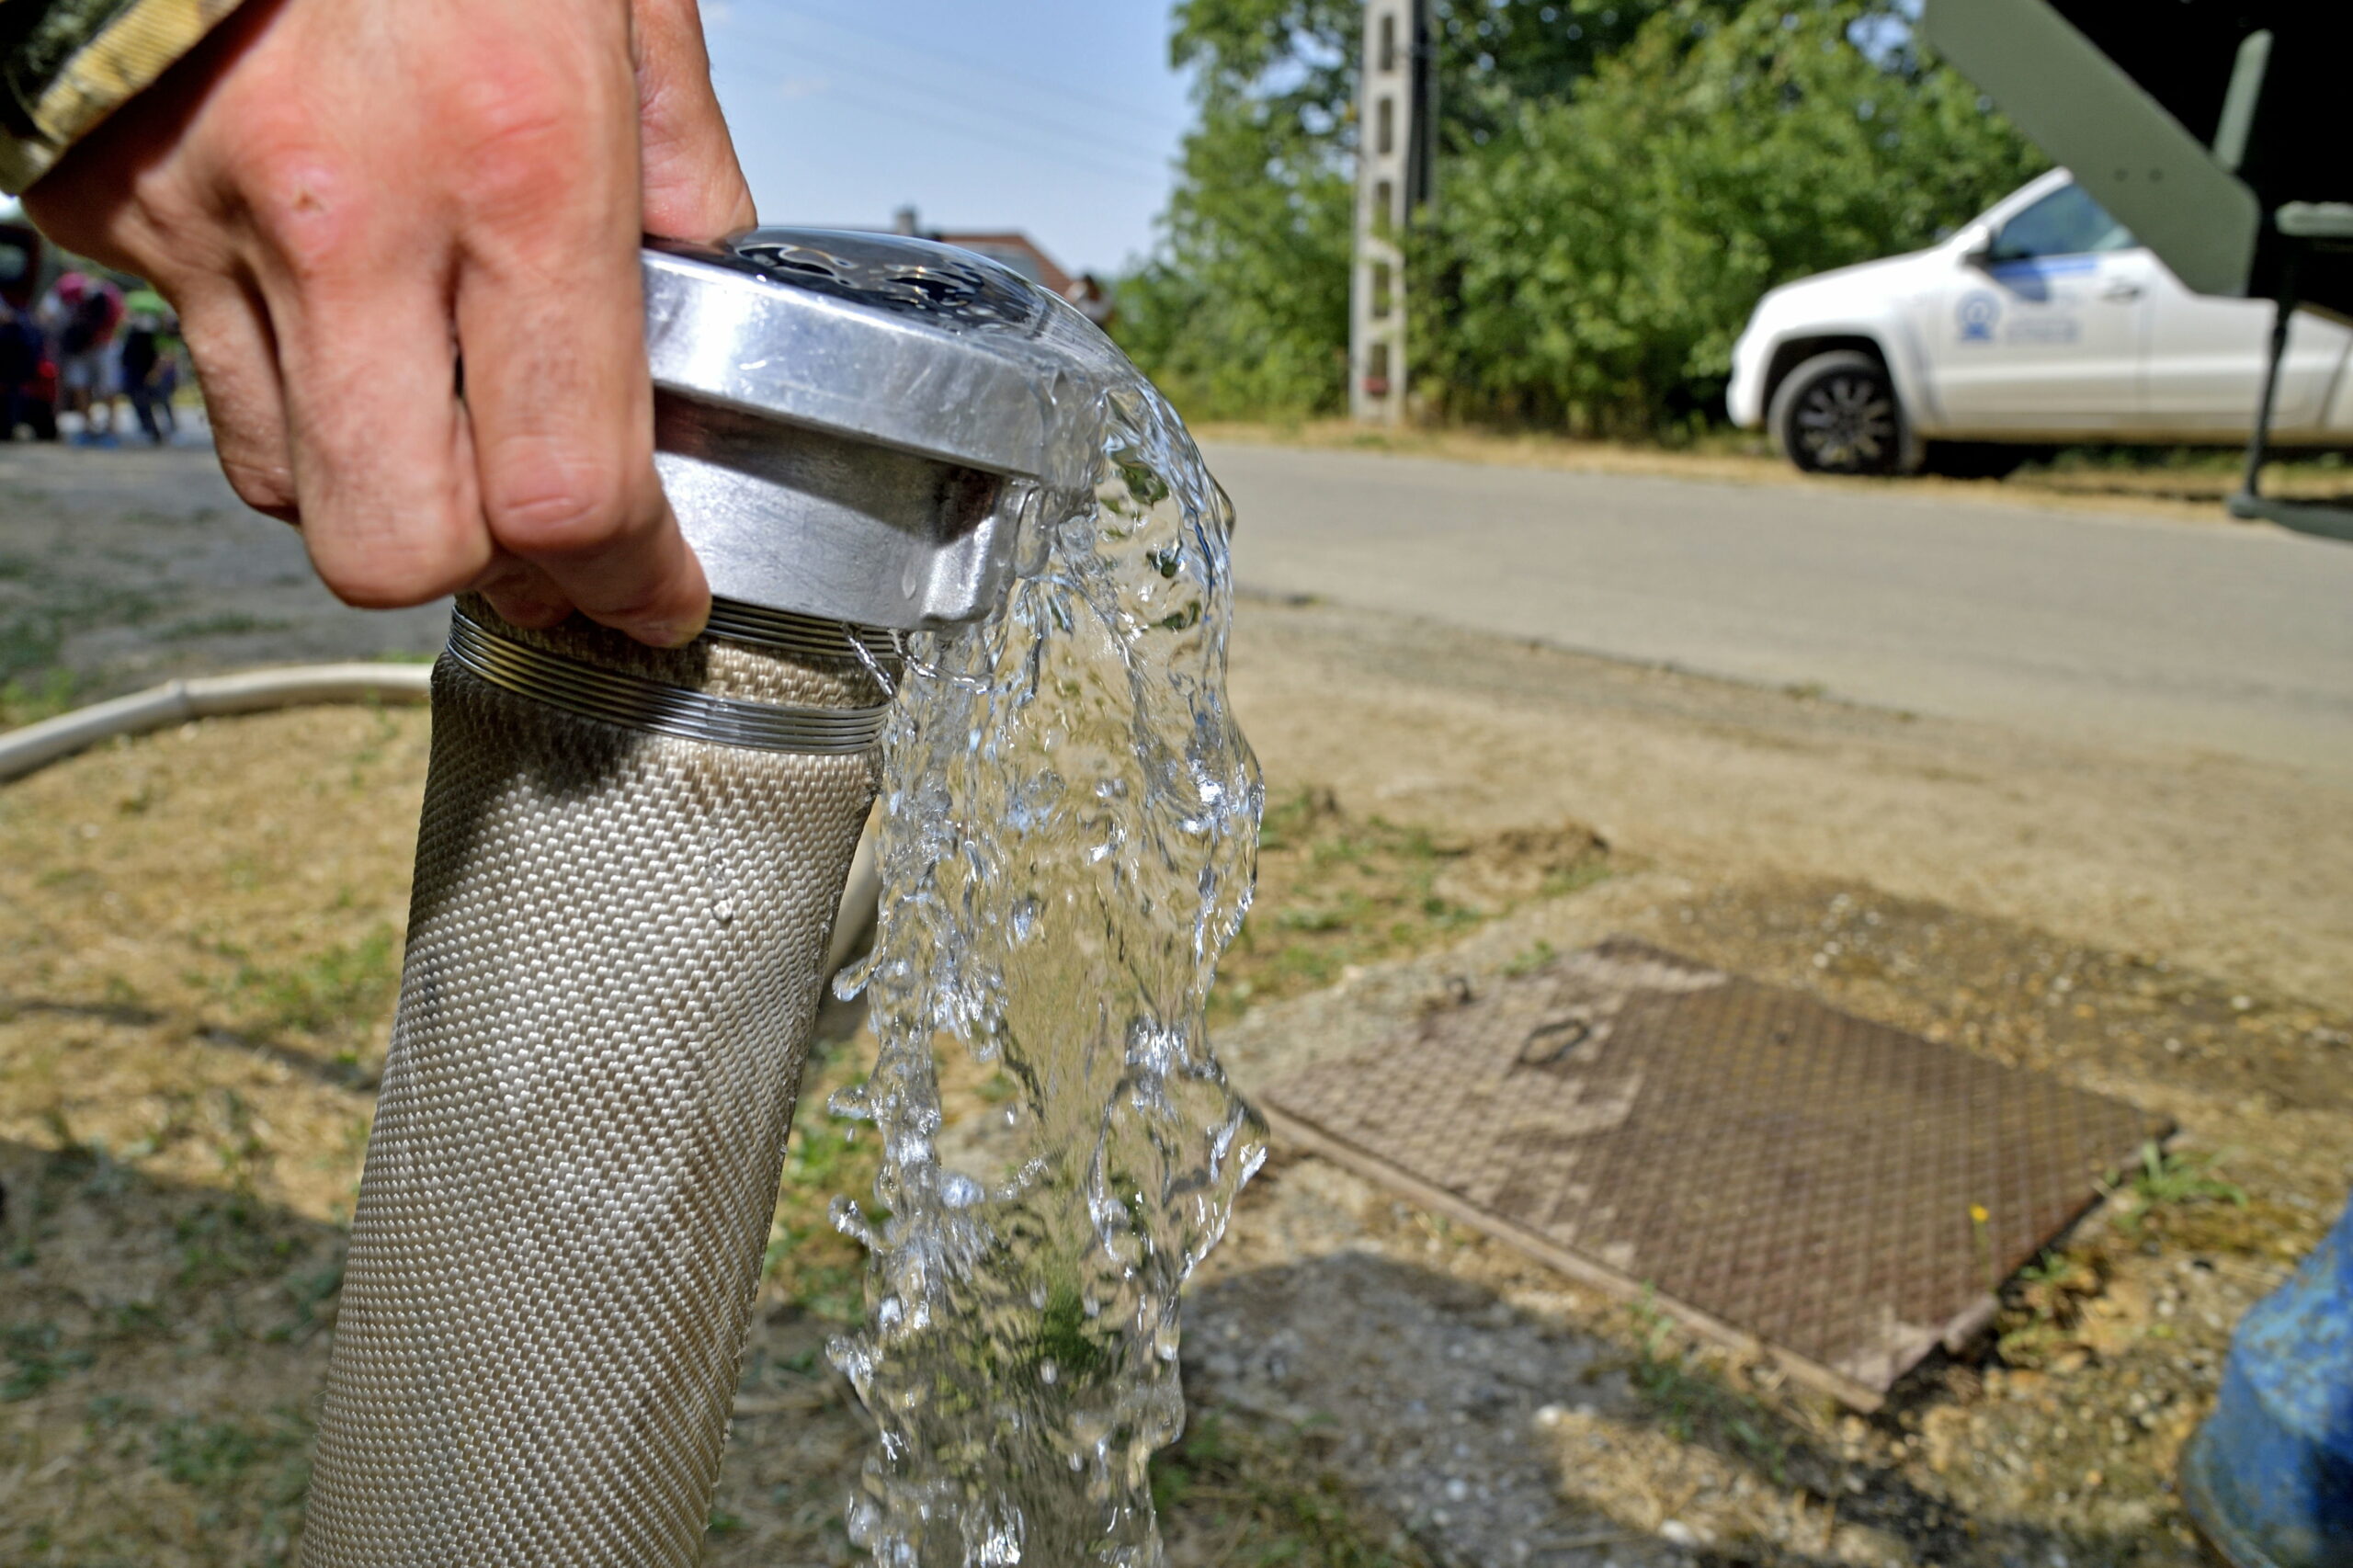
x=2065 y=222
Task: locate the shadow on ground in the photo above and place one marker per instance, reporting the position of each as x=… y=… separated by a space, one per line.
x=1531 y=1443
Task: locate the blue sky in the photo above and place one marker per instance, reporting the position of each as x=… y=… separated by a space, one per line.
x=1056 y=117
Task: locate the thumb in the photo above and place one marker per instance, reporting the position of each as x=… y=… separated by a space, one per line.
x=694 y=188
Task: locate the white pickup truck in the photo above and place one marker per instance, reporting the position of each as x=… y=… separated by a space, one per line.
x=2044 y=322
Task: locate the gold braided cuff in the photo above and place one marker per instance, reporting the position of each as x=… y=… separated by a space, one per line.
x=41 y=118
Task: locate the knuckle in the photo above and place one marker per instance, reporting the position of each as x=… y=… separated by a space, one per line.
x=557 y=501
x=302 y=203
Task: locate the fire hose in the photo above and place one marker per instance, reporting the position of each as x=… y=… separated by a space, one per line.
x=628 y=869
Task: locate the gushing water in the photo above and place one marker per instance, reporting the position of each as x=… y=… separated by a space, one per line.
x=1069 y=817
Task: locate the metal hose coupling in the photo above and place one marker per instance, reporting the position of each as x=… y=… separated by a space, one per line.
x=627 y=870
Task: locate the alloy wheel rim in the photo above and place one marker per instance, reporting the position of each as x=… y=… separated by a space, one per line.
x=1846 y=422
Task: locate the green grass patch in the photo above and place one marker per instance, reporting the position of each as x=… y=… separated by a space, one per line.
x=29 y=698
x=2165 y=1179
x=344 y=988
x=818 y=1268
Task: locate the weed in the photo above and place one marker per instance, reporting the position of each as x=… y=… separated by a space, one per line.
x=228 y=1239
x=820 y=1270
x=2042 y=1307
x=28 y=643
x=1691 y=1403
x=223 y=1457
x=307 y=1292
x=1529 y=960
x=110 y=1412
x=2166 y=1179
x=29 y=699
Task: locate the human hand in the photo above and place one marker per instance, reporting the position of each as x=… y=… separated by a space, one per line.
x=345 y=200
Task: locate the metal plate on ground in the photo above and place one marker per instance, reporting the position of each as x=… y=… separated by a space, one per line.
x=1766 y=1168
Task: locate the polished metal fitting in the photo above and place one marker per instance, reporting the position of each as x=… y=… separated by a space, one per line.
x=851 y=426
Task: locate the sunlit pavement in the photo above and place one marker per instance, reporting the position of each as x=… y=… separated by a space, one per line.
x=2157 y=633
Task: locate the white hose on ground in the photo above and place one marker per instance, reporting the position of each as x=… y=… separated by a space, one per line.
x=33 y=748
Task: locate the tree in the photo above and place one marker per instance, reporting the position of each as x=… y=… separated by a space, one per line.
x=1594 y=261
x=1245 y=311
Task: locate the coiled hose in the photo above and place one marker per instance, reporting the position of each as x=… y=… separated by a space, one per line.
x=627 y=873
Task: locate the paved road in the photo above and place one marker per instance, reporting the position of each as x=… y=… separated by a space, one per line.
x=2236 y=639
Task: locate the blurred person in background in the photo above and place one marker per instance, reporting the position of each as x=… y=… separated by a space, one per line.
x=150 y=363
x=24 y=400
x=83 y=312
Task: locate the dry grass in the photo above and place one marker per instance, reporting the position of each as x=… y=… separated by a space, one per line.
x=1336 y=892
x=2188 y=486
x=199 y=945
x=197 y=941
x=200 y=951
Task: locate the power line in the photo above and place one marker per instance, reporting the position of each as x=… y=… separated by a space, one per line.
x=1010 y=132
x=988 y=69
x=1060 y=157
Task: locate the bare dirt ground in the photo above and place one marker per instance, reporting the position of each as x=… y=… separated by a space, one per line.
x=121 y=569
x=200 y=937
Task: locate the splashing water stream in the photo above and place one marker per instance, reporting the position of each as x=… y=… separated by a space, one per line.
x=1069 y=817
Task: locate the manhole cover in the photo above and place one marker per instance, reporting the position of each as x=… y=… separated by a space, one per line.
x=1766 y=1167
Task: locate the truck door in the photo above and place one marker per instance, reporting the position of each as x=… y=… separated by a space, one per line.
x=2045 y=331
x=2205 y=365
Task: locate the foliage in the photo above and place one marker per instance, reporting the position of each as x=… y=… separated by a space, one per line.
x=1246 y=309
x=1618 y=181
x=1594 y=263
x=1248 y=302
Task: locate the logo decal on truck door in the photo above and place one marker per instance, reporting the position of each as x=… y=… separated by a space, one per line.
x=1978 y=313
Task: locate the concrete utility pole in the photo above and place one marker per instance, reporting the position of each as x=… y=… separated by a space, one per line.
x=1396 y=127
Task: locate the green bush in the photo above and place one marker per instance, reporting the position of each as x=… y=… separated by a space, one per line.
x=1618 y=184
x=1592 y=265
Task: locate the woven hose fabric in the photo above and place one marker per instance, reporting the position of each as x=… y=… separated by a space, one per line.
x=613 y=963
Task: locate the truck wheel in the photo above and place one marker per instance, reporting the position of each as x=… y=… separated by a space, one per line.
x=1837 y=413
x=1975 y=460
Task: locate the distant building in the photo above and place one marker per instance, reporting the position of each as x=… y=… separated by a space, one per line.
x=1013 y=249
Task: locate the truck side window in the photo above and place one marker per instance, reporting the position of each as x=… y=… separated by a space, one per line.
x=2065 y=222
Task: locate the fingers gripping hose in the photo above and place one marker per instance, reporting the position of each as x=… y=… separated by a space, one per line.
x=615 y=946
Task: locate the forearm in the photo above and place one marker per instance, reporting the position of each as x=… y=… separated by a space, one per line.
x=66 y=65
